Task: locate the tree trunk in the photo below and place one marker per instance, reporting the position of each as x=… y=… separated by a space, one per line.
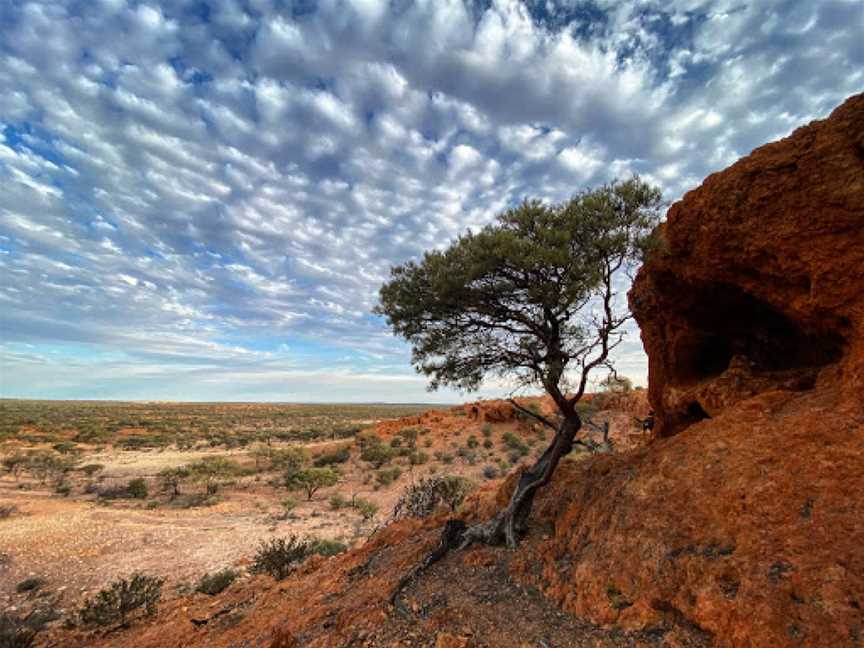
x=510 y=523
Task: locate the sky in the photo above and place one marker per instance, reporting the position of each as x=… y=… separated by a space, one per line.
x=199 y=201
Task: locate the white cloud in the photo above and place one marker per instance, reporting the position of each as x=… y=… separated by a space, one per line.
x=239 y=183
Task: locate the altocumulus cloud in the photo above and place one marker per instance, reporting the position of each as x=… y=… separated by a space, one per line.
x=200 y=200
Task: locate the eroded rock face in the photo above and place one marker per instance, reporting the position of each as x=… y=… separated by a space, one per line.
x=759 y=280
x=745 y=518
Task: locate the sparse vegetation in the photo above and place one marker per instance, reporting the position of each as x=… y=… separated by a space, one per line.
x=7 y=511
x=137 y=488
x=32 y=584
x=216 y=582
x=424 y=497
x=114 y=603
x=278 y=556
x=311 y=480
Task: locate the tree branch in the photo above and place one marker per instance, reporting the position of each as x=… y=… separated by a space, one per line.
x=540 y=418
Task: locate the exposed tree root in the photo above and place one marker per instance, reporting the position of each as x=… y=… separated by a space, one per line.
x=509 y=524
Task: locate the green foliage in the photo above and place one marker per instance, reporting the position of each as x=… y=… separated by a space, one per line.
x=170 y=479
x=310 y=480
x=326 y=548
x=338 y=501
x=366 y=508
x=290 y=503
x=66 y=447
x=278 y=556
x=387 y=476
x=91 y=469
x=212 y=471
x=418 y=458
x=115 y=602
x=137 y=488
x=289 y=459
x=410 y=435
x=338 y=456
x=472 y=442
x=216 y=582
x=63 y=489
x=517 y=447
x=423 y=498
x=487 y=430
x=510 y=299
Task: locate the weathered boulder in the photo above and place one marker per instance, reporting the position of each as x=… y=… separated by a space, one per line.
x=758 y=281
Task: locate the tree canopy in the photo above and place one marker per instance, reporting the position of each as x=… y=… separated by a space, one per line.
x=531 y=295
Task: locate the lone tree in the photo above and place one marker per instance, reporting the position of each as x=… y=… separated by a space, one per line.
x=534 y=296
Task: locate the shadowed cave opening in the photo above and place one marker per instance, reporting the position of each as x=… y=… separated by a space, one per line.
x=724 y=321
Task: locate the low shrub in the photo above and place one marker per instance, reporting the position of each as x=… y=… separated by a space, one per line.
x=338 y=501
x=339 y=456
x=278 y=556
x=418 y=458
x=490 y=472
x=216 y=582
x=137 y=488
x=365 y=508
x=113 y=603
x=422 y=499
x=326 y=547
x=30 y=585
x=387 y=476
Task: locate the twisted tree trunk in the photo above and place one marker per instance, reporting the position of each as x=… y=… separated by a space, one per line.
x=510 y=523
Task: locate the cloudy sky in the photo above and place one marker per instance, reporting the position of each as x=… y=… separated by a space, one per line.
x=200 y=200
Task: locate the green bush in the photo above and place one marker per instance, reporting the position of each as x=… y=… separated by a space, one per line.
x=339 y=456
x=326 y=547
x=387 y=476
x=278 y=556
x=63 y=489
x=115 y=602
x=423 y=498
x=137 y=488
x=311 y=480
x=472 y=442
x=91 y=469
x=377 y=455
x=366 y=508
x=338 y=501
x=418 y=458
x=490 y=472
x=214 y=583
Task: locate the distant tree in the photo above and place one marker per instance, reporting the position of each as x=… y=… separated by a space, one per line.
x=170 y=479
x=535 y=297
x=211 y=471
x=311 y=480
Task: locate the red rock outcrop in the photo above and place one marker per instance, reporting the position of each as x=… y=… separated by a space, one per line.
x=745 y=517
x=759 y=276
